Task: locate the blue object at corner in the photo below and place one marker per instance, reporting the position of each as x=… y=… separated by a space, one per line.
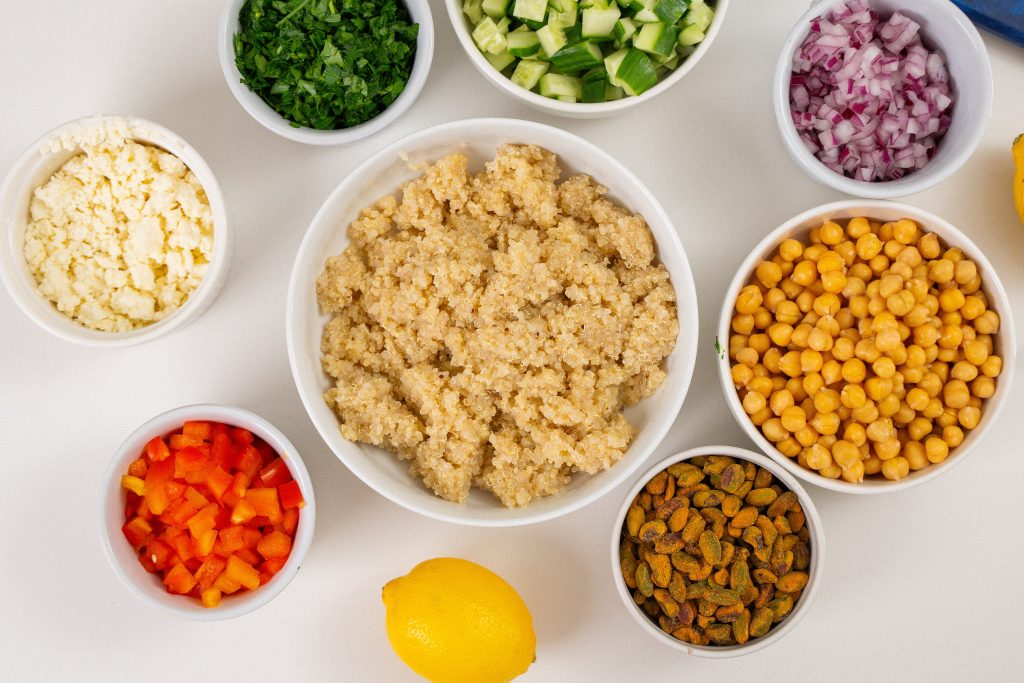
x=1002 y=17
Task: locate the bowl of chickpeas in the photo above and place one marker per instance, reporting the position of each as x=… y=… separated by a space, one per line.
x=866 y=346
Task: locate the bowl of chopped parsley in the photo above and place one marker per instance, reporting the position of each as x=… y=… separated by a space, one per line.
x=326 y=72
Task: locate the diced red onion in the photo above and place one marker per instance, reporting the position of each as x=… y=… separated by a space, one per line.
x=867 y=97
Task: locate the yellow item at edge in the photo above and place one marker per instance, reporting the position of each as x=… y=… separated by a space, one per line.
x=1018 y=175
x=453 y=621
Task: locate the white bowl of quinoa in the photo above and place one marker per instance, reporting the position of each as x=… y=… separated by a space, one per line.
x=115 y=232
x=492 y=322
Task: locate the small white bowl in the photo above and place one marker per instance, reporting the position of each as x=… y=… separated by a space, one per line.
x=944 y=27
x=1005 y=341
x=382 y=174
x=575 y=110
x=817 y=546
x=35 y=167
x=419 y=11
x=124 y=560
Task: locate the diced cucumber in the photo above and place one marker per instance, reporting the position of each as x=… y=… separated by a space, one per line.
x=488 y=38
x=521 y=28
x=495 y=8
x=528 y=73
x=624 y=29
x=690 y=35
x=612 y=63
x=563 y=5
x=577 y=57
x=613 y=92
x=473 y=9
x=600 y=23
x=573 y=34
x=595 y=85
x=636 y=72
x=670 y=11
x=534 y=25
x=638 y=5
x=522 y=43
x=659 y=39
x=500 y=60
x=685 y=50
x=565 y=19
x=530 y=10
x=699 y=15
x=646 y=16
x=503 y=25
x=670 y=61
x=567 y=98
x=552 y=39
x=557 y=85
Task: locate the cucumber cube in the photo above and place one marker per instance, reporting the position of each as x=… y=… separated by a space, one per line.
x=647 y=16
x=565 y=19
x=595 y=85
x=473 y=9
x=503 y=25
x=567 y=98
x=690 y=35
x=552 y=39
x=557 y=85
x=636 y=72
x=528 y=73
x=600 y=23
x=577 y=57
x=659 y=39
x=670 y=11
x=612 y=63
x=500 y=60
x=624 y=29
x=530 y=10
x=488 y=38
x=495 y=8
x=613 y=92
x=699 y=15
x=522 y=43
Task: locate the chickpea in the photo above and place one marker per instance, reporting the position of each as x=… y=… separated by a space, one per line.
x=951 y=299
x=888 y=449
x=768 y=273
x=941 y=271
x=805 y=273
x=818 y=457
x=827 y=304
x=812 y=383
x=789 y=364
x=966 y=271
x=795 y=386
x=929 y=245
x=741 y=374
x=780 y=400
x=791 y=249
x=770 y=359
x=749 y=299
x=969 y=417
x=889 y=405
x=831 y=233
x=987 y=322
x=872 y=465
x=855 y=473
x=793 y=419
x=933 y=409
x=896 y=468
x=992 y=366
x=878 y=388
x=814 y=252
x=868 y=246
x=806 y=437
x=787 y=312
x=947 y=418
x=973 y=307
x=865 y=413
x=773 y=430
x=830 y=261
x=915 y=454
x=759 y=342
x=953 y=435
x=936 y=449
x=955 y=394
x=753 y=402
x=845 y=453
x=761 y=416
x=919 y=428
x=788 y=447
x=826 y=424
x=976 y=352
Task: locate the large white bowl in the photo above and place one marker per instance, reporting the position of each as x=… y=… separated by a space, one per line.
x=814 y=571
x=419 y=11
x=1005 y=341
x=35 y=167
x=123 y=558
x=382 y=174
x=945 y=28
x=575 y=110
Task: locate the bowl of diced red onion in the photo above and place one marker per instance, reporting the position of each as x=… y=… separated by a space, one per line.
x=882 y=98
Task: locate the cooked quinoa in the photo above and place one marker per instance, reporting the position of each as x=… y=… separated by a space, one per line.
x=490 y=328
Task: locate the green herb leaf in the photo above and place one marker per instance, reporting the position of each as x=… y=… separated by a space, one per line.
x=326 y=64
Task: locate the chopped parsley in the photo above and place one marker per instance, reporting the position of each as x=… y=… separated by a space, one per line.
x=326 y=64
x=719 y=350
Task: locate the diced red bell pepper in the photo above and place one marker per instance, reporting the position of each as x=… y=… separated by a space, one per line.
x=218 y=481
x=179 y=540
x=274 y=544
x=191 y=464
x=156 y=478
x=209 y=571
x=175 y=489
x=226 y=585
x=291 y=495
x=265 y=502
x=265 y=578
x=232 y=538
x=241 y=436
x=157 y=449
x=133 y=484
x=249 y=555
x=137 y=531
x=266 y=452
x=158 y=553
x=273 y=565
x=138 y=468
x=203 y=521
x=202 y=545
x=243 y=572
x=142 y=509
x=179 y=580
x=274 y=473
x=222 y=450
x=210 y=597
x=248 y=460
x=179 y=441
x=237 y=489
x=197 y=430
x=250 y=538
x=290 y=521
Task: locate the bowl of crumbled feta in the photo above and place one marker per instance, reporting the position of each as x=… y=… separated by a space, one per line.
x=116 y=231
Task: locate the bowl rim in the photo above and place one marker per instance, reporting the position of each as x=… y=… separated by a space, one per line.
x=889 y=189
x=578 y=109
x=262 y=113
x=817 y=538
x=113 y=504
x=61 y=325
x=993 y=288
x=346 y=451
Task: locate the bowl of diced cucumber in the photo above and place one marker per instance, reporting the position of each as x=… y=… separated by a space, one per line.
x=585 y=58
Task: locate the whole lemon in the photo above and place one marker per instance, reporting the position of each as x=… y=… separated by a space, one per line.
x=453 y=621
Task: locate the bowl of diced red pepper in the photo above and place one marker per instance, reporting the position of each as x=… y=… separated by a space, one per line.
x=208 y=512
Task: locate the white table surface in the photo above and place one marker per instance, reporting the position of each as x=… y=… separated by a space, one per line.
x=925 y=584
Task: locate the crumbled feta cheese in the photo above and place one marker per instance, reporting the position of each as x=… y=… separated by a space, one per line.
x=121 y=235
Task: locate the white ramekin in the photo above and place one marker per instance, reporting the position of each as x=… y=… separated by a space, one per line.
x=123 y=558
x=817 y=546
x=35 y=167
x=945 y=28
x=575 y=110
x=419 y=11
x=383 y=174
x=799 y=228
